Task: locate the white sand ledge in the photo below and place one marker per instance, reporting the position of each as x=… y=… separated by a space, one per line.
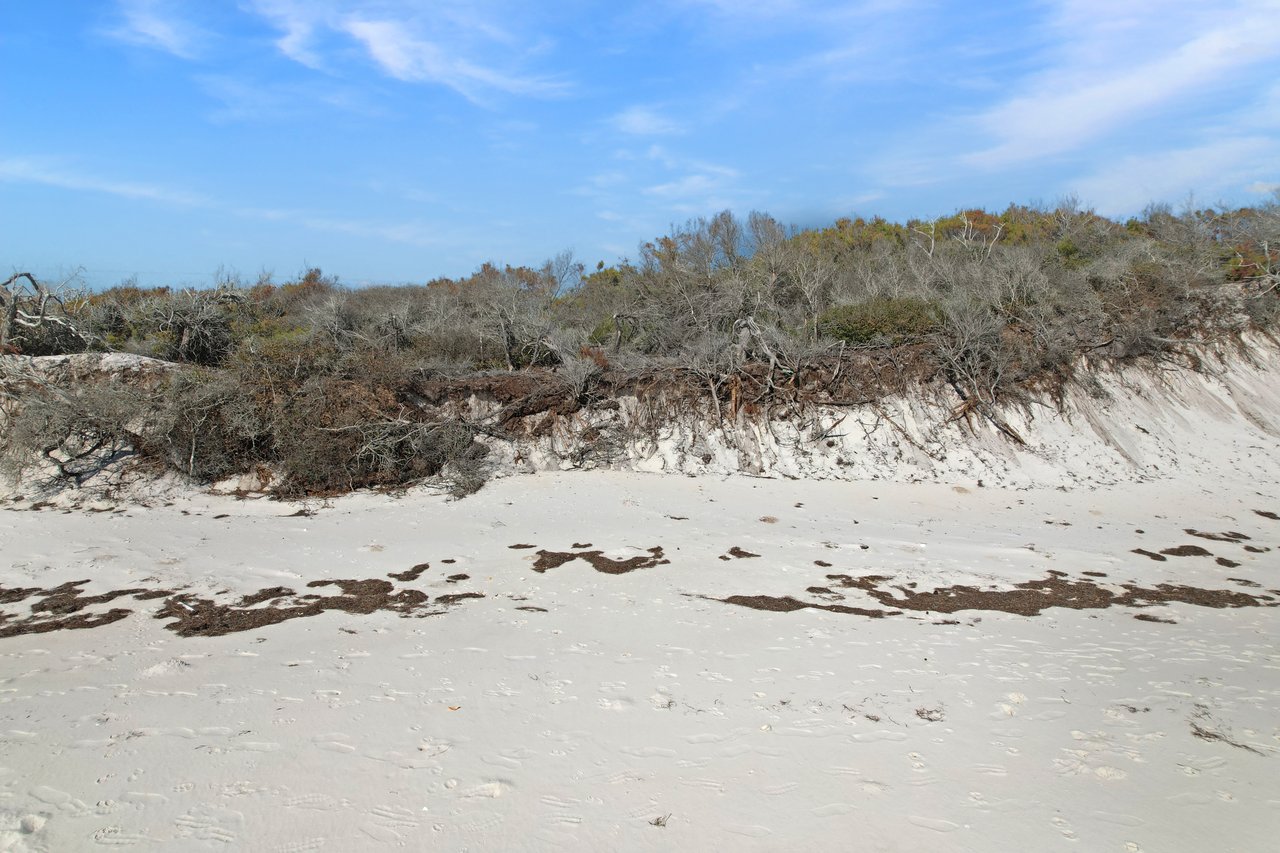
x=636 y=712
x=1140 y=423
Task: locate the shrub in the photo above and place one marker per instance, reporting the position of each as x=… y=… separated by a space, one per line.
x=71 y=433
x=883 y=319
x=336 y=435
x=208 y=426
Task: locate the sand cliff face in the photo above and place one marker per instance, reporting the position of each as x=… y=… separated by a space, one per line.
x=1139 y=423
x=1136 y=424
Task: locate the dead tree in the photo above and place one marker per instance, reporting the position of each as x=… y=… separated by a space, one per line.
x=28 y=305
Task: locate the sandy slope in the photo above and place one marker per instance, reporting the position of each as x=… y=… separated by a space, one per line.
x=1111 y=426
x=635 y=713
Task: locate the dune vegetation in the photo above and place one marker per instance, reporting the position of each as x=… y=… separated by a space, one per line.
x=333 y=387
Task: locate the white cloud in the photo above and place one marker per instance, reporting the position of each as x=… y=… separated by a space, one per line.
x=644 y=121
x=458 y=45
x=407 y=57
x=49 y=174
x=706 y=188
x=1113 y=68
x=156 y=24
x=1218 y=168
x=298 y=22
x=689 y=185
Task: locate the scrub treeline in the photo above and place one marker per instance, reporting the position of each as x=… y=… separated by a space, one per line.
x=325 y=383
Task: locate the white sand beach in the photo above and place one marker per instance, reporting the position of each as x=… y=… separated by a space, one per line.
x=581 y=709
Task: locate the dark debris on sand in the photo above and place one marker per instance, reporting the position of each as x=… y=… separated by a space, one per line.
x=1030 y=598
x=63 y=608
x=1186 y=551
x=412 y=574
x=202 y=617
x=548 y=560
x=66 y=607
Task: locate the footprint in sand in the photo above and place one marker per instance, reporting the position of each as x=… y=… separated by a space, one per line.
x=935 y=824
x=390 y=815
x=388 y=822
x=488 y=790
x=662 y=701
x=207 y=823
x=433 y=747
x=779 y=790
x=619 y=704
x=1063 y=827
x=115 y=836
x=334 y=742
x=303 y=846
x=832 y=810
x=60 y=800
x=315 y=802
x=559 y=803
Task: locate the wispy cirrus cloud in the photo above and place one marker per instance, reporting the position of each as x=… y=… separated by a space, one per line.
x=461 y=46
x=159 y=25
x=645 y=121
x=411 y=58
x=1214 y=168
x=696 y=186
x=690 y=185
x=1114 y=68
x=298 y=23
x=49 y=173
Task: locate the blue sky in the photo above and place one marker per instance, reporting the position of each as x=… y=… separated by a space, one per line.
x=393 y=141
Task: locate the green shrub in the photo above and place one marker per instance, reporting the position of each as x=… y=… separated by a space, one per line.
x=337 y=435
x=887 y=319
x=208 y=426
